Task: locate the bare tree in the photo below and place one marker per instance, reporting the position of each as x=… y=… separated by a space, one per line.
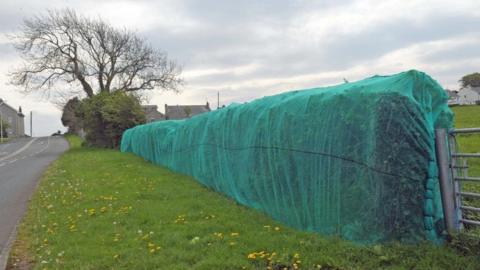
x=63 y=48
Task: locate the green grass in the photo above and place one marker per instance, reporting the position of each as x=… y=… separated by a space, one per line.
x=102 y=209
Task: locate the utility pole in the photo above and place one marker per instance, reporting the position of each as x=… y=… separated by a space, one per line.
x=218 y=99
x=31 y=124
x=1 y=121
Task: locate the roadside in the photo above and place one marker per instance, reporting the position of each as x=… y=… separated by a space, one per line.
x=5 y=140
x=22 y=162
x=102 y=209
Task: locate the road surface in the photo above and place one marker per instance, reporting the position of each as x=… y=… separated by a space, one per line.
x=22 y=162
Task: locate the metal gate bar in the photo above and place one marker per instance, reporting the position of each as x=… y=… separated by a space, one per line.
x=453 y=170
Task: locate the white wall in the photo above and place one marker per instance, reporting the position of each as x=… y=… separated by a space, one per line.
x=468 y=96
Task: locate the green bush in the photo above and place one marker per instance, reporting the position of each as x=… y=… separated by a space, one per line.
x=69 y=116
x=105 y=116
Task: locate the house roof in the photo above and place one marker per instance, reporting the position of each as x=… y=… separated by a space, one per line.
x=4 y=104
x=152 y=112
x=474 y=89
x=184 y=111
x=452 y=93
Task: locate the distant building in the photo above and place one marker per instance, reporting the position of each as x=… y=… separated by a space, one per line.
x=14 y=118
x=152 y=114
x=184 y=111
x=452 y=97
x=469 y=95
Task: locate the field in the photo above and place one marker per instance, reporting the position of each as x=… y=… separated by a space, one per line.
x=469 y=116
x=101 y=209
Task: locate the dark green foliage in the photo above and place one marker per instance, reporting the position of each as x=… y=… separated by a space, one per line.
x=69 y=117
x=106 y=116
x=466 y=244
x=472 y=80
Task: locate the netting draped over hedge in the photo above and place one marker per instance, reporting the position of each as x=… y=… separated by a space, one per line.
x=355 y=160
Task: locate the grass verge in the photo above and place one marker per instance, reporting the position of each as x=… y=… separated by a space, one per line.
x=101 y=209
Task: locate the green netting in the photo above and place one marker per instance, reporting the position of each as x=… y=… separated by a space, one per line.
x=355 y=160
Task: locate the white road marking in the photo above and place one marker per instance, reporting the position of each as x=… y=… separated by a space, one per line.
x=19 y=150
x=47 y=144
x=13 y=160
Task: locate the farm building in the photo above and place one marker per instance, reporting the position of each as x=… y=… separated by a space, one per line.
x=468 y=95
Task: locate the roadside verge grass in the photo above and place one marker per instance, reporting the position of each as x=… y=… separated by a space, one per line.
x=102 y=209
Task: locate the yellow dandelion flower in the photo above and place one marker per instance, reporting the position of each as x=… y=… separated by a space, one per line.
x=234 y=234
x=91 y=211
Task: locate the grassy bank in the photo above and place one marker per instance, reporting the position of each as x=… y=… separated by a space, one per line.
x=101 y=209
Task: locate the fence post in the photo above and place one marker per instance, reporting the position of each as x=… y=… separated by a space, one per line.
x=446 y=184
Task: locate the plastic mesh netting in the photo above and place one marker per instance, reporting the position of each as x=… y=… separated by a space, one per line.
x=355 y=160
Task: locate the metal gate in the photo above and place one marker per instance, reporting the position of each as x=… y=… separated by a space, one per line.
x=461 y=205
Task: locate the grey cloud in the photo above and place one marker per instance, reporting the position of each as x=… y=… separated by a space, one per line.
x=229 y=34
x=341 y=53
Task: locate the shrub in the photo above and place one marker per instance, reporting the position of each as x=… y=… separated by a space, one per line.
x=105 y=116
x=69 y=117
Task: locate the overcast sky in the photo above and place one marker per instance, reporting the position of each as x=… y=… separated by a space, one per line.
x=249 y=49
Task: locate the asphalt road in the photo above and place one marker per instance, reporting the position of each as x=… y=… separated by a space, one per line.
x=22 y=162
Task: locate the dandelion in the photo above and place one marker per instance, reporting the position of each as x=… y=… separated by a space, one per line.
x=91 y=211
x=277 y=228
x=115 y=256
x=116 y=238
x=234 y=234
x=195 y=240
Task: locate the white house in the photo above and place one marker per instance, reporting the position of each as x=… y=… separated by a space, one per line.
x=468 y=95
